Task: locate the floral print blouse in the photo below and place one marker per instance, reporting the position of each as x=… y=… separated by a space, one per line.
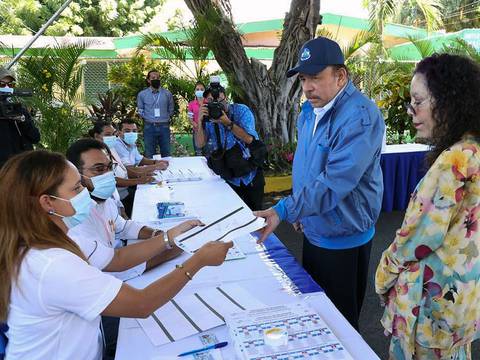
x=431 y=271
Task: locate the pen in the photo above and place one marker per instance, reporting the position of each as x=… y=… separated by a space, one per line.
x=209 y=347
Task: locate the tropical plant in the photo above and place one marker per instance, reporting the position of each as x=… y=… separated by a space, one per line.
x=55 y=76
x=60 y=125
x=110 y=108
x=392 y=99
x=279 y=159
x=128 y=78
x=383 y=11
x=82 y=17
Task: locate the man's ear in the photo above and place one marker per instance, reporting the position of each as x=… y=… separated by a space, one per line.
x=342 y=76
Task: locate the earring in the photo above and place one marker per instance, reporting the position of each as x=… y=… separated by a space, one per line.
x=51 y=212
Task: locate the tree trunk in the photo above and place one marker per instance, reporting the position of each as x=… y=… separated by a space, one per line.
x=273 y=98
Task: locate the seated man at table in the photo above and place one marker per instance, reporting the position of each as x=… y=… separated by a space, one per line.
x=100 y=235
x=127 y=179
x=126 y=147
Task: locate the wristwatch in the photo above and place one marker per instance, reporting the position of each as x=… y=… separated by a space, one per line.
x=230 y=126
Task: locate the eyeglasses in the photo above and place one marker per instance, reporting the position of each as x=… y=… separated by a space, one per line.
x=416 y=104
x=7 y=83
x=102 y=168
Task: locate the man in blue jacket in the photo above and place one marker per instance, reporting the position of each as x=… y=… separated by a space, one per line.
x=337 y=179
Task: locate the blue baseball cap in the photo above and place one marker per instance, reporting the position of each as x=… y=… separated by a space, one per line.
x=315 y=55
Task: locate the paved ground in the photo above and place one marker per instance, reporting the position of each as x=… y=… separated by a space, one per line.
x=370 y=327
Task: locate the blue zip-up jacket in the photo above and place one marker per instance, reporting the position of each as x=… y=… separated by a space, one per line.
x=337 y=179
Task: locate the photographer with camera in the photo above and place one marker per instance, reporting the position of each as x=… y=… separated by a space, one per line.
x=18 y=133
x=232 y=146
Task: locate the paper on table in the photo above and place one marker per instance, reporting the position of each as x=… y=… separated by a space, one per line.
x=191 y=314
x=308 y=336
x=236 y=223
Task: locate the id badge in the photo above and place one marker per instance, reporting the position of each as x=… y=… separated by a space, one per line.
x=156 y=112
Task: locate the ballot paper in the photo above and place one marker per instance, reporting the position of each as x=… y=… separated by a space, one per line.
x=234 y=224
x=172 y=176
x=306 y=335
x=185 y=169
x=186 y=315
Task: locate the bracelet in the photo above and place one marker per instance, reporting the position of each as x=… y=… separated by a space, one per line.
x=230 y=126
x=168 y=244
x=187 y=274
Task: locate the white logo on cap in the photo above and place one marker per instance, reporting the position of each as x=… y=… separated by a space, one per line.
x=305 y=54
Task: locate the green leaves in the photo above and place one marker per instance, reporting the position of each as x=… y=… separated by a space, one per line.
x=82 y=17
x=55 y=76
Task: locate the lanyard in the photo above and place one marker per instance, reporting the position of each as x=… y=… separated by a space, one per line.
x=156 y=98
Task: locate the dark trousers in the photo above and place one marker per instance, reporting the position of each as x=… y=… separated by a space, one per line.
x=342 y=274
x=252 y=194
x=110 y=334
x=128 y=201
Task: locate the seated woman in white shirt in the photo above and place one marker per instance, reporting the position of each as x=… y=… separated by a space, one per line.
x=50 y=297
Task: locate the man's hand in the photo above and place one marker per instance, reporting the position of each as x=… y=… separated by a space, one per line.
x=272 y=220
x=224 y=120
x=161 y=164
x=183 y=227
x=203 y=113
x=147 y=179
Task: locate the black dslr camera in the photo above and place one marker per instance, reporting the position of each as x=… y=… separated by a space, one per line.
x=215 y=107
x=10 y=110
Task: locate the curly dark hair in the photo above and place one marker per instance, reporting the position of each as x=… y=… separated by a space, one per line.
x=454 y=84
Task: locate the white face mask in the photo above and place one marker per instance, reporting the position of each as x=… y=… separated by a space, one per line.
x=82 y=203
x=130 y=138
x=110 y=141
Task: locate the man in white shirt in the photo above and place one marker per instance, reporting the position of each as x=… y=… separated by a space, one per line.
x=100 y=235
x=127 y=179
x=127 y=149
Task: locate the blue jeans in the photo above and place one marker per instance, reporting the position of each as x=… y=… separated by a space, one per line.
x=156 y=135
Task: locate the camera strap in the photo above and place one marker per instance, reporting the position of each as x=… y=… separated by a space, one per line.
x=221 y=148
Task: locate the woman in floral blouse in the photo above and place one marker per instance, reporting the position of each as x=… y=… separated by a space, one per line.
x=429 y=277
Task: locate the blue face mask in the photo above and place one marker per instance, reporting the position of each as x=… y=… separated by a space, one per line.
x=82 y=203
x=199 y=94
x=110 y=141
x=130 y=138
x=103 y=185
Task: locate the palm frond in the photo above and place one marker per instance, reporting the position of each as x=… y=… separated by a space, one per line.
x=379 y=12
x=461 y=47
x=432 y=11
x=162 y=46
x=423 y=46
x=358 y=41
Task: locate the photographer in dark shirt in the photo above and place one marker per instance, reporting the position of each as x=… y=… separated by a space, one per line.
x=227 y=133
x=18 y=133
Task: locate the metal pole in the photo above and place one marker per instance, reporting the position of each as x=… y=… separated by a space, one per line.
x=39 y=33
